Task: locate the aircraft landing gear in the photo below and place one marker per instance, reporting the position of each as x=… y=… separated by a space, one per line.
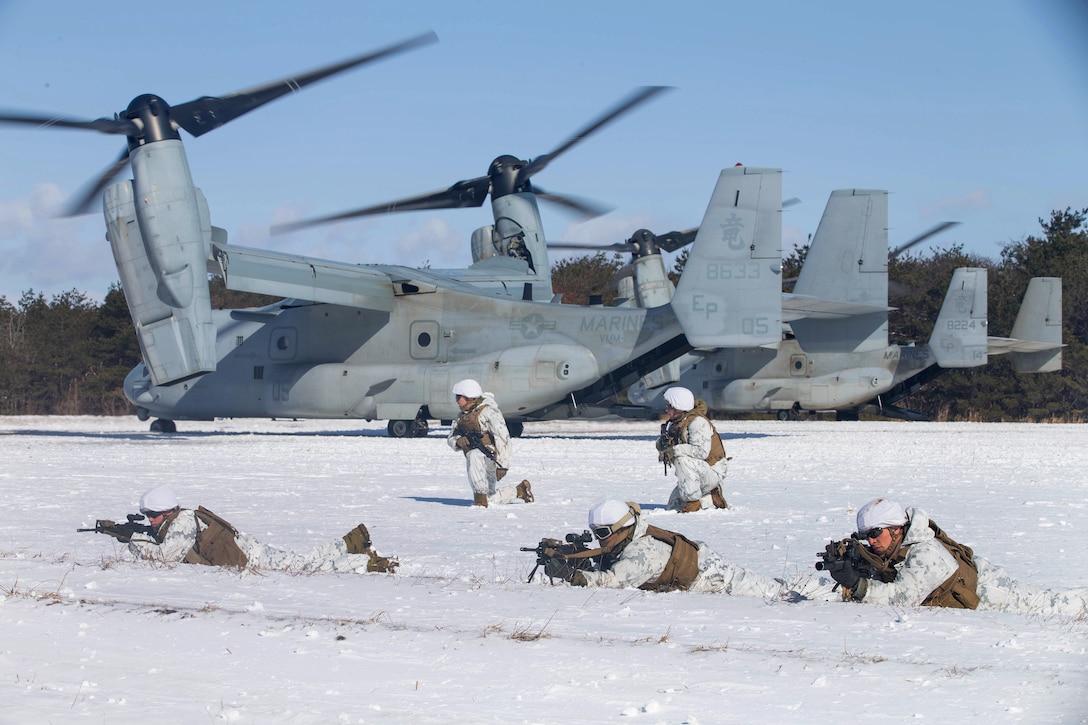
x=846 y=414
x=417 y=428
x=793 y=413
x=516 y=428
x=163 y=425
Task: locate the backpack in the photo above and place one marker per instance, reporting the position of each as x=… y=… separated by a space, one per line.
x=215 y=543
x=959 y=591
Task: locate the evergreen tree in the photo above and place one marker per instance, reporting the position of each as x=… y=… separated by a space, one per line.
x=579 y=278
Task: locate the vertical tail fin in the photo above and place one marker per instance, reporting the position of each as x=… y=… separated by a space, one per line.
x=847 y=262
x=730 y=293
x=1040 y=320
x=959 y=335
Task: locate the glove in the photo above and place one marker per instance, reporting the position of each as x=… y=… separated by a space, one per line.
x=842 y=571
x=462 y=444
x=499 y=473
x=112 y=529
x=668 y=455
x=662 y=443
x=559 y=569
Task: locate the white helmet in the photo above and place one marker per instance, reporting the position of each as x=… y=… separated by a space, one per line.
x=609 y=517
x=468 y=388
x=157 y=500
x=880 y=512
x=680 y=398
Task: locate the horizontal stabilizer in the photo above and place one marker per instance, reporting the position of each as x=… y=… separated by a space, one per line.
x=304 y=278
x=730 y=293
x=959 y=336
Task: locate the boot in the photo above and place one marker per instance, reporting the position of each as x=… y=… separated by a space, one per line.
x=382 y=564
x=718 y=498
x=525 y=491
x=479 y=499
x=691 y=507
x=358 y=540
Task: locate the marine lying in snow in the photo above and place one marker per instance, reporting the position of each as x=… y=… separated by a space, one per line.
x=634 y=553
x=902 y=558
x=177 y=535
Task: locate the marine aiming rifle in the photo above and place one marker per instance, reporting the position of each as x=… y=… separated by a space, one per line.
x=574 y=553
x=122 y=532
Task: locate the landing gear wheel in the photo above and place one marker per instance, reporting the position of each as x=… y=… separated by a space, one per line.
x=516 y=428
x=163 y=425
x=420 y=428
x=399 y=428
x=846 y=415
x=784 y=415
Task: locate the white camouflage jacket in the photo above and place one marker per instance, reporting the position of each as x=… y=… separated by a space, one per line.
x=644 y=559
x=697 y=447
x=926 y=566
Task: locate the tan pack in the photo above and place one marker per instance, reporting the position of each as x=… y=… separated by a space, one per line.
x=215 y=542
x=683 y=565
x=959 y=591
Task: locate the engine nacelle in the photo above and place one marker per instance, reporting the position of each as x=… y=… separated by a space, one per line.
x=161 y=236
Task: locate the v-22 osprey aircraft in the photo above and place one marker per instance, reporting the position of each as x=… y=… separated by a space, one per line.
x=387 y=342
x=843 y=362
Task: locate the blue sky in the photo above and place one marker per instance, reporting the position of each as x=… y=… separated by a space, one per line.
x=971 y=111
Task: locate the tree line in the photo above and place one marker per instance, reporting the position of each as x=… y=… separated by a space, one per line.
x=69 y=355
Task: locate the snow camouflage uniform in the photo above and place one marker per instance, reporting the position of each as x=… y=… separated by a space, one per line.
x=699 y=461
x=928 y=565
x=641 y=561
x=177 y=542
x=486 y=420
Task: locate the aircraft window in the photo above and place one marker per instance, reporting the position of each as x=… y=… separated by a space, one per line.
x=283 y=342
x=424 y=340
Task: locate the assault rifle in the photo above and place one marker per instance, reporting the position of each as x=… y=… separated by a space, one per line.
x=122 y=532
x=549 y=549
x=476 y=440
x=848 y=553
x=663 y=442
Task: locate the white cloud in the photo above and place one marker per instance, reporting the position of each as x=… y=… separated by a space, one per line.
x=51 y=254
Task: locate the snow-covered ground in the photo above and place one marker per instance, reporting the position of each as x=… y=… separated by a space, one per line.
x=457 y=635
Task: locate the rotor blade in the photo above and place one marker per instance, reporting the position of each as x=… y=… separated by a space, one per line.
x=635 y=99
x=83 y=201
x=671 y=241
x=618 y=247
x=920 y=238
x=586 y=208
x=117 y=126
x=461 y=195
x=208 y=113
